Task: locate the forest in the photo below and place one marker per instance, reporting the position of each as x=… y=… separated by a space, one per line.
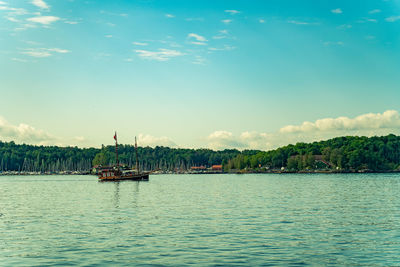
x=347 y=154
x=29 y=158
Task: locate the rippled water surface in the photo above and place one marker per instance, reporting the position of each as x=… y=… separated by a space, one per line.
x=296 y=219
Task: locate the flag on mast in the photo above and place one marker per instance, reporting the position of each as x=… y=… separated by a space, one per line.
x=115 y=136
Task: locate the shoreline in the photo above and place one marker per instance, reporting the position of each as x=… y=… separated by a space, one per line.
x=16 y=173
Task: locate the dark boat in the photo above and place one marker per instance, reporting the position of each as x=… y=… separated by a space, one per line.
x=117 y=173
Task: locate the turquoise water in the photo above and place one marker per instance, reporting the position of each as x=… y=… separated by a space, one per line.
x=267 y=219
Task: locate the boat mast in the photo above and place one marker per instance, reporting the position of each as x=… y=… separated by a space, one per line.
x=116 y=148
x=137 y=162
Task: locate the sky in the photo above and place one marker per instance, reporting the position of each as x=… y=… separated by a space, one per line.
x=198 y=74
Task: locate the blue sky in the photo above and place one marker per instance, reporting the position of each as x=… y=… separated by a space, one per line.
x=216 y=74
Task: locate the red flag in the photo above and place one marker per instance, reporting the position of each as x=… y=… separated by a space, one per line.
x=115 y=136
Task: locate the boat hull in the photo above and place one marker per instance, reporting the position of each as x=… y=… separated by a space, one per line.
x=134 y=177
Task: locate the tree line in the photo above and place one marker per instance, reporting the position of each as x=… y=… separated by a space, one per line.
x=30 y=158
x=349 y=153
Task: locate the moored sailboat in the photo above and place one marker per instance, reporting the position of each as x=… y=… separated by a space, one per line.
x=116 y=173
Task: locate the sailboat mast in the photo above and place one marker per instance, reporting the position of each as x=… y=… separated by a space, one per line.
x=137 y=162
x=116 y=148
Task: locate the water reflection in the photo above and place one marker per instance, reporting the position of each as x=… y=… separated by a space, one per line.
x=133 y=188
x=116 y=195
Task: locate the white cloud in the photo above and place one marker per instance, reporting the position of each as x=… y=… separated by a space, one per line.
x=372 y=124
x=198 y=43
x=222 y=140
x=370 y=121
x=23 y=133
x=58 y=50
x=392 y=18
x=200 y=40
x=108 y=36
x=140 y=44
x=170 y=16
x=261 y=20
x=226 y=21
x=40 y=3
x=160 y=55
x=337 y=11
x=12 y=19
x=219 y=140
x=232 y=12
x=3 y=3
x=43 y=52
x=197 y=37
x=374 y=11
x=46 y=20
x=13 y=11
x=39 y=53
x=151 y=141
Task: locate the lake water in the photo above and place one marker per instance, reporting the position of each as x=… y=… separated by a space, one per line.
x=265 y=219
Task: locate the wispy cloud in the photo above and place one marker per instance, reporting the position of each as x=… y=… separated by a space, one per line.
x=199 y=40
x=139 y=43
x=224 y=48
x=160 y=55
x=337 y=11
x=345 y=26
x=13 y=11
x=19 y=59
x=374 y=11
x=108 y=36
x=170 y=16
x=366 y=20
x=232 y=11
x=328 y=43
x=222 y=34
x=226 y=21
x=46 y=20
x=298 y=22
x=194 y=19
x=197 y=37
x=199 y=60
x=40 y=3
x=71 y=22
x=43 y=52
x=261 y=20
x=392 y=18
